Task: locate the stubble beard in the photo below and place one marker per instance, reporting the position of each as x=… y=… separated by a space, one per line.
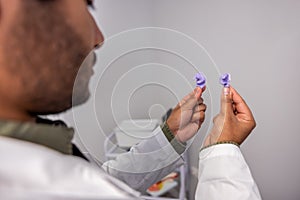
x=45 y=55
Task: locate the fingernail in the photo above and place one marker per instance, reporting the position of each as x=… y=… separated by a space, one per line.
x=226 y=91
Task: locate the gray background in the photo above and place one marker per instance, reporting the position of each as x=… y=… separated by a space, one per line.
x=258 y=42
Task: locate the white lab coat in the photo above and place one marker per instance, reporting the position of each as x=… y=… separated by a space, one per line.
x=31 y=171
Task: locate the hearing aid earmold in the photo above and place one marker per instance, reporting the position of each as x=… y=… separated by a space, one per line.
x=200 y=80
x=225 y=80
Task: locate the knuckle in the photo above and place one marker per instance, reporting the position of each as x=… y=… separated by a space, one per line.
x=202 y=114
x=202 y=117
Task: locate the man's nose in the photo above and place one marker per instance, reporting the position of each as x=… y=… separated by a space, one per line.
x=99 y=38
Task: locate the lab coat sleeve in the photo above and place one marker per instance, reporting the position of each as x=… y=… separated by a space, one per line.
x=224 y=174
x=145 y=163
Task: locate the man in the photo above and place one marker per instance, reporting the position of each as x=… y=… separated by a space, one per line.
x=43 y=44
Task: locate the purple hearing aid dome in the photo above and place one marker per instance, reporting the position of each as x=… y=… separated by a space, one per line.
x=225 y=80
x=200 y=80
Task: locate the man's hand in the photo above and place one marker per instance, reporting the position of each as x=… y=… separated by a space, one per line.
x=234 y=122
x=187 y=117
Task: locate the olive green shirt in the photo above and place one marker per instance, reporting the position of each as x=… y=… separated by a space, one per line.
x=56 y=135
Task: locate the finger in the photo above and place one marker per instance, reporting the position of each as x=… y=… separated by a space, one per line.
x=191 y=99
x=233 y=107
x=200 y=101
x=198 y=117
x=226 y=101
x=198 y=92
x=193 y=126
x=240 y=105
x=201 y=107
x=187 y=97
x=203 y=89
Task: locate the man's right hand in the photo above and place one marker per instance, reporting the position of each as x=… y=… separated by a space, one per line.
x=234 y=122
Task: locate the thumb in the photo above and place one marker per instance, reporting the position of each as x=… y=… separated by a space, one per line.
x=191 y=100
x=198 y=92
x=226 y=101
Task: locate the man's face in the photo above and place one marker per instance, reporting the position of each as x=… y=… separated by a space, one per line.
x=43 y=44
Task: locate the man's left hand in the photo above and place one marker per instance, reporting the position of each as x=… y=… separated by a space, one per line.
x=188 y=116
